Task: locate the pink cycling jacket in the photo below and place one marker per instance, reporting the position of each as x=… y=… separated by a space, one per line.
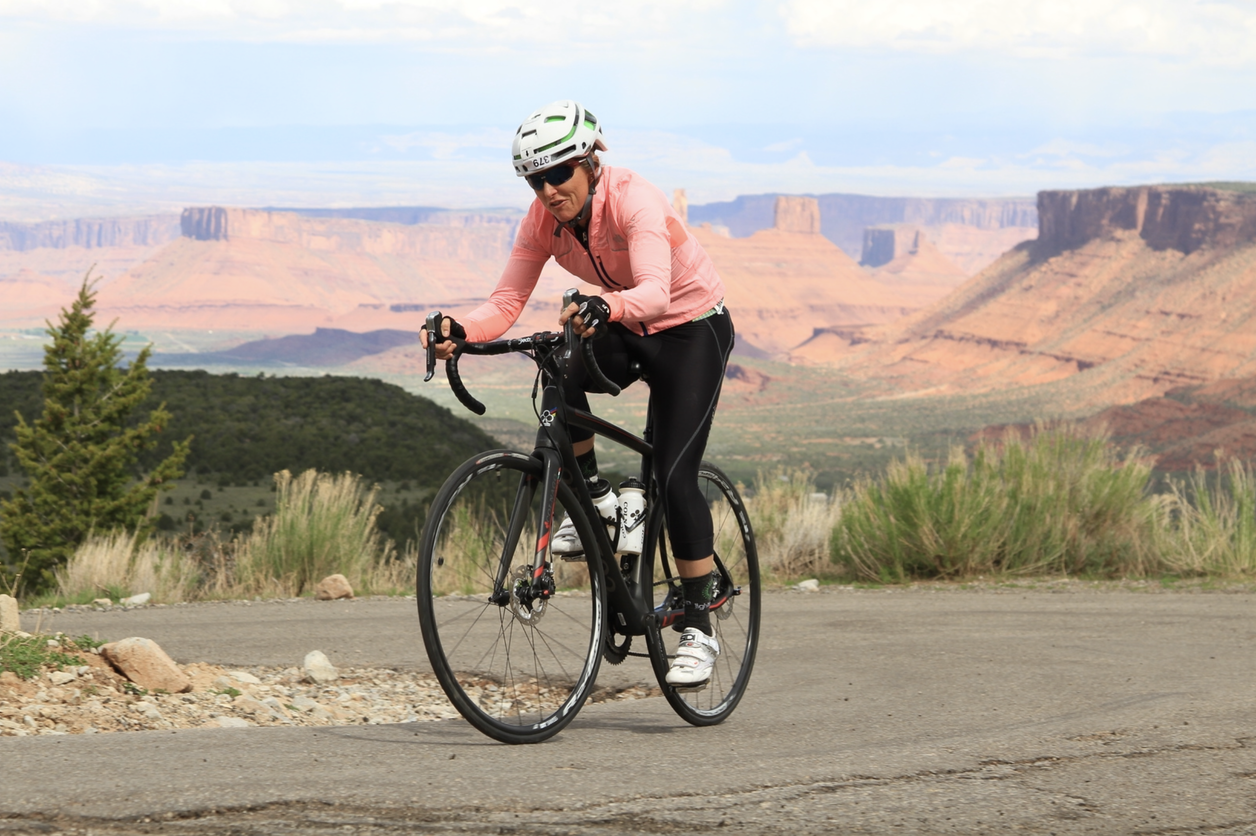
x=652 y=273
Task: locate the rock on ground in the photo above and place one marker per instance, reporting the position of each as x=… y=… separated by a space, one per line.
x=318 y=668
x=10 y=616
x=97 y=700
x=144 y=662
x=333 y=588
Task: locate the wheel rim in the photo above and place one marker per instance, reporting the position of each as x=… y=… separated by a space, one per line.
x=521 y=663
x=735 y=621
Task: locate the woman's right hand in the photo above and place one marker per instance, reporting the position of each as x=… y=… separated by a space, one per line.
x=449 y=328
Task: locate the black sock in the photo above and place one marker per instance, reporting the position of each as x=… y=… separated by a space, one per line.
x=588 y=465
x=698 y=593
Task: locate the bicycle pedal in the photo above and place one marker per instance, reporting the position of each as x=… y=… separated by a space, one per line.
x=691 y=689
x=572 y=558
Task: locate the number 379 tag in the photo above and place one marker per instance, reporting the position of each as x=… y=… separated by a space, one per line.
x=537 y=162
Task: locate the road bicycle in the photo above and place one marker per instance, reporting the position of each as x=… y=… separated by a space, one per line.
x=515 y=633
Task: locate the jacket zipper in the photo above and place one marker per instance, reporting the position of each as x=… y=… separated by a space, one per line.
x=602 y=274
x=598 y=268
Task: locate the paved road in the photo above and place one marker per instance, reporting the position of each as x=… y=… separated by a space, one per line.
x=882 y=711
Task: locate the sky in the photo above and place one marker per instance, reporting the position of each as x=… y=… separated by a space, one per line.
x=109 y=106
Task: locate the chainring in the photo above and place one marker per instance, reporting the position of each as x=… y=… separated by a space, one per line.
x=616 y=653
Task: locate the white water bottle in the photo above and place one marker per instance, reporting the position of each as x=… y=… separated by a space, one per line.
x=607 y=506
x=631 y=516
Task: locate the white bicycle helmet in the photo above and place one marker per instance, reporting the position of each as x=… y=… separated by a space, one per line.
x=557 y=133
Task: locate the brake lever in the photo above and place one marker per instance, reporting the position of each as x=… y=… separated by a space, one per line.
x=434 y=335
x=575 y=343
x=569 y=328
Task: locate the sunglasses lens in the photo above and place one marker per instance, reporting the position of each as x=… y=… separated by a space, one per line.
x=554 y=176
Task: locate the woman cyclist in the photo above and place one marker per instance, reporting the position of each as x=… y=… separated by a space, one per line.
x=659 y=302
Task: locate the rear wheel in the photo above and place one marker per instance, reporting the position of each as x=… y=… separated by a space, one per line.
x=735 y=606
x=516 y=654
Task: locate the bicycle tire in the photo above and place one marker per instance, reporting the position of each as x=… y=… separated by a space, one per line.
x=516 y=671
x=735 y=621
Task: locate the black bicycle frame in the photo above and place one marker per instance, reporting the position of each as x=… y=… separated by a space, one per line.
x=630 y=585
x=626 y=591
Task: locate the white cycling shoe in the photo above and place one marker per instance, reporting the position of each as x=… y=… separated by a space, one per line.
x=695 y=658
x=566 y=541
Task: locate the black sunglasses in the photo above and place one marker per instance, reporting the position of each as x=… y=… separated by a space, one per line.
x=554 y=176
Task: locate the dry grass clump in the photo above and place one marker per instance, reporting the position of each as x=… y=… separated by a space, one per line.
x=322 y=525
x=793 y=523
x=1211 y=529
x=118 y=564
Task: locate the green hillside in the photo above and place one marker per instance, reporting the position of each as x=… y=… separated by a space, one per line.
x=247 y=428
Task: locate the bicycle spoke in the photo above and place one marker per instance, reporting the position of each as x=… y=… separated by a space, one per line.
x=734 y=621
x=518 y=675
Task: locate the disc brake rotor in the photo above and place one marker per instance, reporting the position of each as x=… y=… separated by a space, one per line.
x=525 y=612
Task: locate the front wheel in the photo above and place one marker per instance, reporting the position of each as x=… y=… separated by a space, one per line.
x=515 y=651
x=734 y=609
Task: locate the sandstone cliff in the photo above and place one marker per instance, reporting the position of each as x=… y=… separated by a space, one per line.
x=410 y=215
x=90 y=233
x=42 y=264
x=680 y=202
x=797 y=214
x=901 y=256
x=259 y=270
x=784 y=282
x=970 y=232
x=883 y=244
x=1182 y=218
x=487 y=241
x=1125 y=294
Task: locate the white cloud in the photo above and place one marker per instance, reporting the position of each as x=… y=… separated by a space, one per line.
x=462 y=25
x=1209 y=31
x=450 y=146
x=787 y=145
x=1066 y=148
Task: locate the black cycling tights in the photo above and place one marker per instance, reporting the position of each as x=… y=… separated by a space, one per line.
x=685 y=368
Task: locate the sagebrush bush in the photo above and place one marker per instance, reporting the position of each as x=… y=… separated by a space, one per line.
x=1056 y=503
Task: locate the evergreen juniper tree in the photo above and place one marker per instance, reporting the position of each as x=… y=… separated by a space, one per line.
x=80 y=455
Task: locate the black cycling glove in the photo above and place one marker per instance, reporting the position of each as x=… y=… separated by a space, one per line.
x=594 y=313
x=455 y=330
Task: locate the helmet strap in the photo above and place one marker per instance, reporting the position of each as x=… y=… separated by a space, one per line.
x=582 y=217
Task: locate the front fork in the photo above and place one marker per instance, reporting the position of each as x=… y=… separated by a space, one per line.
x=538 y=582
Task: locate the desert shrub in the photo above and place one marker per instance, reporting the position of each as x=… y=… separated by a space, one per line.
x=1057 y=502
x=1211 y=529
x=322 y=525
x=119 y=564
x=793 y=523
